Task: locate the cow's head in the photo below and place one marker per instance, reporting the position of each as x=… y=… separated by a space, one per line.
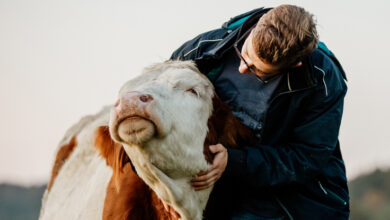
x=165 y=115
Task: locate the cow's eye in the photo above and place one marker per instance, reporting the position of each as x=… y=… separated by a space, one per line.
x=193 y=91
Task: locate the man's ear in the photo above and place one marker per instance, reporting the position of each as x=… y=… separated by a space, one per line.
x=298 y=64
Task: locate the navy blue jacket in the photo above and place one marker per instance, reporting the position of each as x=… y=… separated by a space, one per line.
x=296 y=170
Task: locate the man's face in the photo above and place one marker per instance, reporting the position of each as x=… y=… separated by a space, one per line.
x=261 y=68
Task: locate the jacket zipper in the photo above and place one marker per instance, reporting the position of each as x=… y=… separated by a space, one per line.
x=327 y=191
x=284 y=208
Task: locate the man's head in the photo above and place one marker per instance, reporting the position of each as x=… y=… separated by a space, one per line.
x=281 y=38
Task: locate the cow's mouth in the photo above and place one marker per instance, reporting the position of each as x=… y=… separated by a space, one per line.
x=135 y=129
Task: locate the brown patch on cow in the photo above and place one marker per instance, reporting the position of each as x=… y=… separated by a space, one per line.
x=62 y=155
x=127 y=196
x=134 y=200
x=114 y=153
x=226 y=129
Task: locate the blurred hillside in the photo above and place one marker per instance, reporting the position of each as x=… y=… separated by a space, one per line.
x=370 y=199
x=20 y=203
x=370 y=196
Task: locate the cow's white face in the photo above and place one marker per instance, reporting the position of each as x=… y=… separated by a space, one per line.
x=165 y=114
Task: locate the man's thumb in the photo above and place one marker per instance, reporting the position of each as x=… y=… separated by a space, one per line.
x=215 y=148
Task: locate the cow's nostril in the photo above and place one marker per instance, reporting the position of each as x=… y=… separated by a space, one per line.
x=146 y=98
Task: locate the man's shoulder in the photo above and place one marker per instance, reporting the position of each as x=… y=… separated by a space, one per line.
x=321 y=60
x=324 y=61
x=327 y=71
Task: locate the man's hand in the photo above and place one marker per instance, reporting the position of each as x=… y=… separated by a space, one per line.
x=207 y=178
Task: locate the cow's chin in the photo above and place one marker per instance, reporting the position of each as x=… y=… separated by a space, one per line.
x=136 y=130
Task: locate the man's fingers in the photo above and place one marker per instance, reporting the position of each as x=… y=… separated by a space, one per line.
x=201 y=173
x=210 y=179
x=205 y=179
x=206 y=184
x=201 y=188
x=220 y=151
x=202 y=178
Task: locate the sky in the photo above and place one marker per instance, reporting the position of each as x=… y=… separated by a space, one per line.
x=61 y=60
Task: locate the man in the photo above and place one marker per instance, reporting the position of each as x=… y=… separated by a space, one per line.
x=266 y=66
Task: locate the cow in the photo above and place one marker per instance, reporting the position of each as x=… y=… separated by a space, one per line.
x=134 y=158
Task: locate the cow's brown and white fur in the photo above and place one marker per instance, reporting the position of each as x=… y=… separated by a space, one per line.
x=79 y=189
x=165 y=141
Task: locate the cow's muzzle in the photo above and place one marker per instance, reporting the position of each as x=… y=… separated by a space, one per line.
x=134 y=124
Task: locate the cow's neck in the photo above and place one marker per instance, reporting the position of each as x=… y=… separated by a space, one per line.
x=177 y=191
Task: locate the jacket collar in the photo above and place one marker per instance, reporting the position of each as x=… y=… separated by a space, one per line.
x=302 y=77
x=297 y=79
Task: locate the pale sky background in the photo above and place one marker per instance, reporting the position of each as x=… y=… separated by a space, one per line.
x=61 y=60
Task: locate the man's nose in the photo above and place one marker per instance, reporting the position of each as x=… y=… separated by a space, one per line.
x=243 y=68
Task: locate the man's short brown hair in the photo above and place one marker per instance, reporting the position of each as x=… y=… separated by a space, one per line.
x=284 y=35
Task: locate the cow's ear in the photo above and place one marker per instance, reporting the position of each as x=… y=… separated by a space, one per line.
x=226 y=129
x=113 y=152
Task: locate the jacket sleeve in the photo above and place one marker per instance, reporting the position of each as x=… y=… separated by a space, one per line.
x=187 y=51
x=310 y=146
